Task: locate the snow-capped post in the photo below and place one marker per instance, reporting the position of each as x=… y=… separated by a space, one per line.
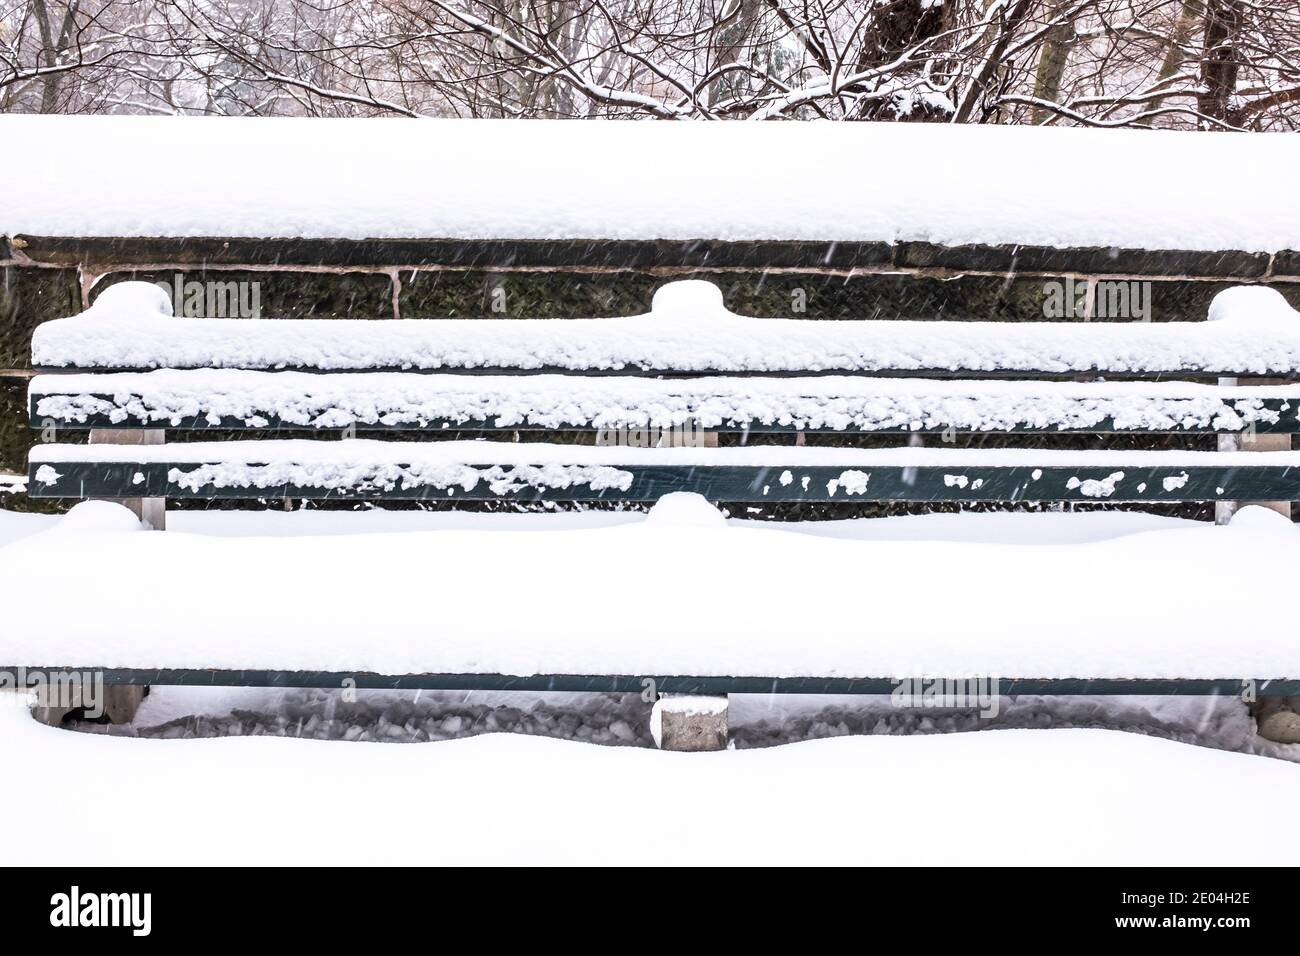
x=1250 y=303
x=685 y=721
x=689 y=723
x=133 y=299
x=689 y=301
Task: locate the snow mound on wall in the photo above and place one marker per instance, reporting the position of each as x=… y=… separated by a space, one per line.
x=688 y=299
x=1252 y=302
x=131 y=299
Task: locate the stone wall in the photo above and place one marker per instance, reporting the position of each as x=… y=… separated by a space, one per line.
x=46 y=278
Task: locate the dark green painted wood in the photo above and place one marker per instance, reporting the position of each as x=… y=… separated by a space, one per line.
x=749 y=484
x=1288 y=423
x=1182 y=373
x=666 y=684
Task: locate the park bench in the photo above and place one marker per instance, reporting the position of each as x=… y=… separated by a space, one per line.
x=731 y=401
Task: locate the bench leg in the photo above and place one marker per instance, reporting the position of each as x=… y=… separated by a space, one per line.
x=120 y=703
x=1224 y=510
x=690 y=724
x=152 y=511
x=1278 y=719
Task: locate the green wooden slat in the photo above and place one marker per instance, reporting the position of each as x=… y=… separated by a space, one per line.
x=665 y=684
x=1180 y=373
x=750 y=484
x=1288 y=423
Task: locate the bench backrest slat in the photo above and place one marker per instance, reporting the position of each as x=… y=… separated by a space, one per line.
x=688 y=365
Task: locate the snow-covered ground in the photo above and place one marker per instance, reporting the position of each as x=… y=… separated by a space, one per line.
x=1014 y=796
x=1053 y=527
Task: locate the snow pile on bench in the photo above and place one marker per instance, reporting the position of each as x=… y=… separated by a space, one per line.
x=687 y=331
x=650 y=599
x=392 y=399
x=485 y=179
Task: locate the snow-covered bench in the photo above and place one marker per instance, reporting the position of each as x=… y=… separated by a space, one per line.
x=127 y=370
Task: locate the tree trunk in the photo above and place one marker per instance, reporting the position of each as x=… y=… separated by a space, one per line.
x=1220 y=59
x=1001 y=33
x=1182 y=31
x=1051 y=65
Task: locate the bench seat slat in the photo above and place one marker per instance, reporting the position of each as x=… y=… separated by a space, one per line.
x=235 y=399
x=682 y=344
x=440 y=471
x=650 y=598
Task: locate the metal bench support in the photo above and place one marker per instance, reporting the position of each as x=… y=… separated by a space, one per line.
x=1251 y=441
x=120 y=703
x=152 y=511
